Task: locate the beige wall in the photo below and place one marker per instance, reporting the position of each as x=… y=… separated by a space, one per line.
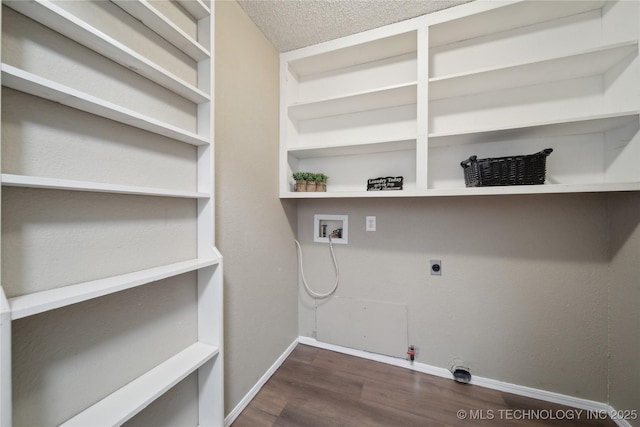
x=624 y=300
x=253 y=228
x=523 y=293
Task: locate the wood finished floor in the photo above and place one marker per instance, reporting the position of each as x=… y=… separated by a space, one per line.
x=316 y=387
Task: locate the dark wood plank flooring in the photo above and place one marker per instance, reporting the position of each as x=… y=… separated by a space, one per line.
x=316 y=387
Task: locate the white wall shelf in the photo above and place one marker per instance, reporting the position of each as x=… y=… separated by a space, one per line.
x=353 y=148
x=488 y=78
x=39 y=302
x=26 y=82
x=203 y=354
x=10 y=180
x=535 y=189
x=121 y=406
x=486 y=18
x=49 y=14
x=145 y=12
x=362 y=101
x=476 y=191
x=596 y=123
x=349 y=56
x=588 y=62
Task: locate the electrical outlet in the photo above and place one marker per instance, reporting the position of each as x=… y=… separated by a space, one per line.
x=371 y=223
x=436 y=267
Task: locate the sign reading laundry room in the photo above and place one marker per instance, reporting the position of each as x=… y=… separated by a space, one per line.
x=385 y=183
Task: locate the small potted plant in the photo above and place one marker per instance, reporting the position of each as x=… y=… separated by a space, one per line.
x=321 y=182
x=301 y=180
x=311 y=181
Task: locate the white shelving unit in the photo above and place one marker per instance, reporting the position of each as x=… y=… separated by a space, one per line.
x=490 y=79
x=205 y=356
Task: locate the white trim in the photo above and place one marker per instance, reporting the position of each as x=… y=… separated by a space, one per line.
x=229 y=419
x=395 y=361
x=547 y=396
x=6 y=406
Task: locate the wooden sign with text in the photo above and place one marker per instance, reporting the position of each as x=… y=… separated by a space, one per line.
x=385 y=183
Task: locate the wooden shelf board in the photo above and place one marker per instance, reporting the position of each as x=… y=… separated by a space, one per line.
x=39 y=302
x=152 y=18
x=589 y=62
x=572 y=126
x=196 y=8
x=72 y=185
x=26 y=82
x=353 y=148
x=61 y=21
x=122 y=405
x=477 y=191
x=391 y=96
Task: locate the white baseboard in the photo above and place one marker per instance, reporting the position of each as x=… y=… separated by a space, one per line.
x=395 y=361
x=547 y=396
x=231 y=417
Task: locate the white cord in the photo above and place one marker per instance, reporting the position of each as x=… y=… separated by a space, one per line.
x=304 y=281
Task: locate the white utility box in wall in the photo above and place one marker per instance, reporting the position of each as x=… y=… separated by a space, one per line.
x=336 y=226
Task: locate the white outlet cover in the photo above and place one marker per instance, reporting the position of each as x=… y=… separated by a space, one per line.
x=371 y=223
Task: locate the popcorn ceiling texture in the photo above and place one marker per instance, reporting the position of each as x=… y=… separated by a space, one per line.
x=292 y=24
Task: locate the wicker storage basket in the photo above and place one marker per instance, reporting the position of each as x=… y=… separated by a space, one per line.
x=512 y=170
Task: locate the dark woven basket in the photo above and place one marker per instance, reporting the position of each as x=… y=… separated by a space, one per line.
x=512 y=170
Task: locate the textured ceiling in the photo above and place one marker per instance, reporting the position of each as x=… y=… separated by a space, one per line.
x=291 y=24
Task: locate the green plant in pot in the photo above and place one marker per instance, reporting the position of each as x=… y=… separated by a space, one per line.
x=301 y=180
x=321 y=182
x=311 y=182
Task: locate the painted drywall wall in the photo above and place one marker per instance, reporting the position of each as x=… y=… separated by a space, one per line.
x=624 y=310
x=523 y=292
x=253 y=227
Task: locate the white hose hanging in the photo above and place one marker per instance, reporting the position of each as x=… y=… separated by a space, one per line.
x=304 y=281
